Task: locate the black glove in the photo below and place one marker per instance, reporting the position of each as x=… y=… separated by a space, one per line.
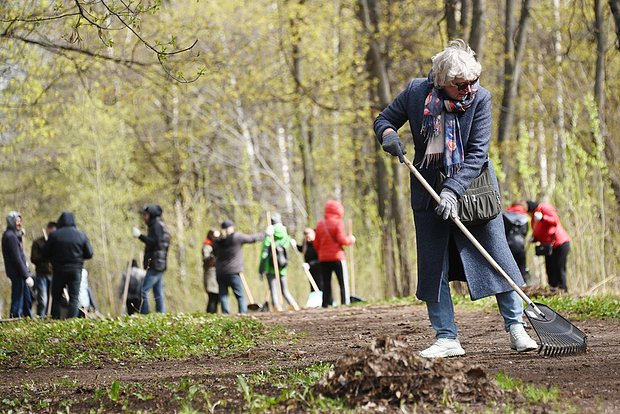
x=447 y=206
x=394 y=146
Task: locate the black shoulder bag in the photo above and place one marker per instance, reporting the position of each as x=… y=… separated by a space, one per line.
x=481 y=202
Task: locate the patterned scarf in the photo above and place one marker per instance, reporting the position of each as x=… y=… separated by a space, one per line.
x=447 y=152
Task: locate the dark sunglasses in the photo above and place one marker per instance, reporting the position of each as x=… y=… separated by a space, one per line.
x=464 y=85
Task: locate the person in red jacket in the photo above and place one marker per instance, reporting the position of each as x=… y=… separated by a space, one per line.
x=547 y=230
x=330 y=237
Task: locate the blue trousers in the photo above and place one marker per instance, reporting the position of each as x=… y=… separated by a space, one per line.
x=441 y=314
x=21 y=299
x=43 y=284
x=154 y=279
x=232 y=281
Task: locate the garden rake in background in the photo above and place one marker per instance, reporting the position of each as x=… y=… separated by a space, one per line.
x=556 y=334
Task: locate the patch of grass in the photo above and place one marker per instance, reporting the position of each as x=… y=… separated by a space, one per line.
x=407 y=300
x=78 y=342
x=294 y=389
x=592 y=307
x=534 y=394
x=181 y=395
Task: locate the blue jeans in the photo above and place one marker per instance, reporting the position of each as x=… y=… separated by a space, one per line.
x=43 y=284
x=232 y=281
x=441 y=314
x=21 y=299
x=154 y=279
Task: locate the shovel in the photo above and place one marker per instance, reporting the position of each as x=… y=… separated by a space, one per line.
x=556 y=334
x=251 y=306
x=315 y=298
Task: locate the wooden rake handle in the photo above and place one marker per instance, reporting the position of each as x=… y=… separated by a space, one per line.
x=471 y=238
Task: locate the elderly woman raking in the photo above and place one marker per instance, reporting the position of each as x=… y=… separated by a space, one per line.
x=449 y=114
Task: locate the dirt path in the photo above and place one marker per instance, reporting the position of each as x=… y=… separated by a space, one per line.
x=591 y=381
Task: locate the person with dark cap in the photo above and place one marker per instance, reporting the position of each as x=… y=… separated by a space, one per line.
x=156 y=244
x=282 y=240
x=42 y=270
x=554 y=241
x=67 y=248
x=229 y=263
x=16 y=267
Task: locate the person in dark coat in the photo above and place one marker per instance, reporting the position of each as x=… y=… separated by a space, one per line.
x=229 y=263
x=311 y=258
x=449 y=115
x=43 y=271
x=156 y=244
x=16 y=267
x=67 y=248
x=134 y=289
x=516 y=226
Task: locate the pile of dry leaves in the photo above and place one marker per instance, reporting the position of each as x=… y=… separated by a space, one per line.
x=391 y=373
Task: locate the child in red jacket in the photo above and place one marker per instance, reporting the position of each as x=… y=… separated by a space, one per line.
x=330 y=237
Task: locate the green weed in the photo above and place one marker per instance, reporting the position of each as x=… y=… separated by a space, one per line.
x=291 y=385
x=533 y=393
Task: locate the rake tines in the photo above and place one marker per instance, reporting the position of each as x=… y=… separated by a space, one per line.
x=557 y=335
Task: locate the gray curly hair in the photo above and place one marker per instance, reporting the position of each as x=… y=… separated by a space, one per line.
x=457 y=60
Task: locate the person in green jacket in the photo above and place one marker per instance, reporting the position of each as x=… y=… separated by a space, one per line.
x=276 y=232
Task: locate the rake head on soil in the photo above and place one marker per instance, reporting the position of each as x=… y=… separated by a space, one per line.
x=557 y=335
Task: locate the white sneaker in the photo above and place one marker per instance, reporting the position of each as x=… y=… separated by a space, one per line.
x=520 y=340
x=443 y=348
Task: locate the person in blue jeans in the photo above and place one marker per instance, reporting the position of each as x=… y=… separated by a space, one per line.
x=156 y=243
x=229 y=263
x=43 y=271
x=449 y=116
x=16 y=267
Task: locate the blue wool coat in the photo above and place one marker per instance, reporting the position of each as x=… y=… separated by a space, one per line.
x=439 y=240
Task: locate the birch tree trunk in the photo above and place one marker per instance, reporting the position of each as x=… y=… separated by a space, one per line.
x=559 y=142
x=179 y=202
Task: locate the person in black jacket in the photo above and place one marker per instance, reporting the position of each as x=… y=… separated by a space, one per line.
x=134 y=288
x=156 y=244
x=67 y=248
x=16 y=267
x=43 y=271
x=311 y=257
x=229 y=263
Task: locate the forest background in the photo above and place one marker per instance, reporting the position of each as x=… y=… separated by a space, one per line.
x=230 y=109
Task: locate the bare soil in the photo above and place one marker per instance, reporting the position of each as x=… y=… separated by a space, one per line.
x=590 y=381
